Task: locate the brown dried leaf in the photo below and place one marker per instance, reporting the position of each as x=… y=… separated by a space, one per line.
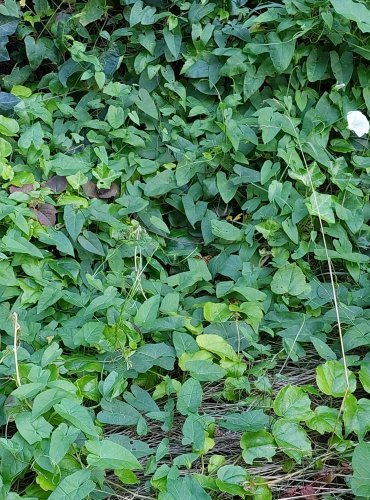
x=57 y=183
x=26 y=188
x=346 y=467
x=309 y=492
x=46 y=214
x=108 y=193
x=326 y=476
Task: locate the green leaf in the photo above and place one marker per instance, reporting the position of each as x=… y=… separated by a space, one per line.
x=292 y=403
x=325 y=420
x=63 y=164
x=35 y=50
x=76 y=486
x=356 y=336
x=258 y=444
x=360 y=480
x=58 y=239
x=109 y=455
x=252 y=82
x=289 y=279
x=148 y=311
x=252 y=421
x=117 y=412
x=14 y=242
x=189 y=397
x=183 y=489
x=48 y=297
x=193 y=211
x=159 y=224
x=127 y=476
x=354 y=11
x=146 y=104
x=323 y=349
x=61 y=439
x=364 y=375
x=356 y=416
x=226 y=188
x=93 y=10
x=205 y=371
x=91 y=333
x=115 y=116
x=150 y=355
x=233 y=474
x=32 y=429
x=316 y=64
x=5 y=148
x=10 y=8
x=269 y=122
x=47 y=399
x=226 y=231
x=8 y=101
x=290 y=230
x=281 y=52
x=292 y=439
x=198 y=11
x=331 y=379
x=91 y=243
x=321 y=205
x=173 y=41
x=7 y=275
x=28 y=390
x=73 y=220
x=8 y=126
x=215 y=312
x=77 y=415
x=102 y=302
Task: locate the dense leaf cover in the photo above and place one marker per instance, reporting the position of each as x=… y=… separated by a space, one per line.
x=184 y=227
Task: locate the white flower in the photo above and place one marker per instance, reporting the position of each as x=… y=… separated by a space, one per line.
x=358 y=123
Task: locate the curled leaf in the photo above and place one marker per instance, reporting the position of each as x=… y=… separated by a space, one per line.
x=57 y=183
x=46 y=214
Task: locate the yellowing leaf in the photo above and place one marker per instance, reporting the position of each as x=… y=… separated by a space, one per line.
x=216 y=345
x=215 y=312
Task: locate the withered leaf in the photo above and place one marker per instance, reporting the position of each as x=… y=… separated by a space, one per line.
x=108 y=193
x=307 y=491
x=90 y=190
x=46 y=214
x=26 y=188
x=57 y=183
